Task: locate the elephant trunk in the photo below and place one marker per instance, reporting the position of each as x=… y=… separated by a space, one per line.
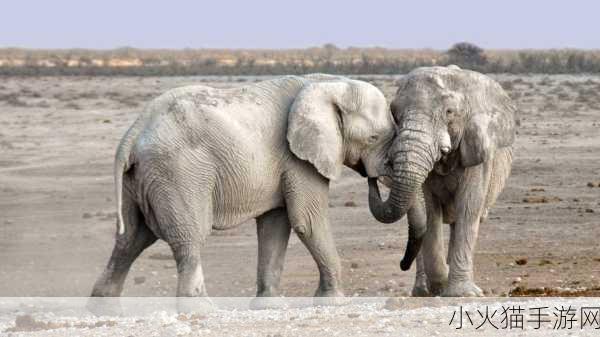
x=412 y=161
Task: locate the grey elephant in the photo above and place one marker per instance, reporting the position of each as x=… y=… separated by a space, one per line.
x=200 y=158
x=451 y=159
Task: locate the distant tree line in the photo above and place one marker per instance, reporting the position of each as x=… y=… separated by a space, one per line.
x=327 y=59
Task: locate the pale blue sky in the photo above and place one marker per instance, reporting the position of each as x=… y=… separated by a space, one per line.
x=301 y=23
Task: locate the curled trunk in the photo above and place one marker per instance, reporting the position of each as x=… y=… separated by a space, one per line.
x=412 y=163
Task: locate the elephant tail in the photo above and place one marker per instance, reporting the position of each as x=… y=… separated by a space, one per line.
x=123 y=162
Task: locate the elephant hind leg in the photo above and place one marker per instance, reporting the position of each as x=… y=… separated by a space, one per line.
x=191 y=289
x=190 y=278
x=127 y=248
x=184 y=220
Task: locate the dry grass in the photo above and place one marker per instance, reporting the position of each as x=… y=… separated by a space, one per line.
x=330 y=59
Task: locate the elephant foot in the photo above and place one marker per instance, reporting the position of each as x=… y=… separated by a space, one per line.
x=267 y=302
x=432 y=284
x=427 y=289
x=104 y=306
x=330 y=298
x=199 y=305
x=436 y=287
x=420 y=290
x=462 y=289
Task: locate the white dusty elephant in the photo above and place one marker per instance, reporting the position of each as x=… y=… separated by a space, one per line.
x=200 y=158
x=454 y=144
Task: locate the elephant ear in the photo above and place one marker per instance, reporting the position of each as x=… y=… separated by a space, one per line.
x=491 y=124
x=315 y=127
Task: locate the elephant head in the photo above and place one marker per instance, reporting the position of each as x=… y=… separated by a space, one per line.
x=335 y=121
x=446 y=117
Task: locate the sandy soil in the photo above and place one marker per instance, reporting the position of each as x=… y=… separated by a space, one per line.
x=57 y=140
x=365 y=317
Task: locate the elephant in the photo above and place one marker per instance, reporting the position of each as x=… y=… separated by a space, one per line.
x=451 y=158
x=200 y=158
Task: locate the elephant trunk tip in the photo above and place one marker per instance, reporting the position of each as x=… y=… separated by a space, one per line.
x=413 y=247
x=407 y=261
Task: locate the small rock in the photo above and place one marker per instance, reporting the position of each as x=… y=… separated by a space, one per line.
x=517 y=280
x=105 y=323
x=350 y=204
x=521 y=261
x=139 y=279
x=87 y=215
x=589 y=210
x=593 y=184
x=534 y=199
x=354 y=265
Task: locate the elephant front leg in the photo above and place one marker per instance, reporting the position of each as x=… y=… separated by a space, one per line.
x=416 y=217
x=420 y=287
x=322 y=248
x=307 y=205
x=470 y=202
x=273 y=231
x=432 y=271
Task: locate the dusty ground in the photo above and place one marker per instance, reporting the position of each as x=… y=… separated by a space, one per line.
x=365 y=317
x=58 y=136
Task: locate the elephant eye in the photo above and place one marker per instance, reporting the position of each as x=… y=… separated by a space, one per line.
x=373 y=139
x=449 y=112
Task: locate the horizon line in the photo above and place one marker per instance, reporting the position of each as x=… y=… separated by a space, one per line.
x=282 y=48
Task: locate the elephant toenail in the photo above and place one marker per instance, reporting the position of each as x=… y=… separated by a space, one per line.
x=300 y=230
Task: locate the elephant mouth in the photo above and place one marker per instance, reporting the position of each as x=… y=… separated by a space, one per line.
x=386 y=181
x=446 y=164
x=359 y=167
